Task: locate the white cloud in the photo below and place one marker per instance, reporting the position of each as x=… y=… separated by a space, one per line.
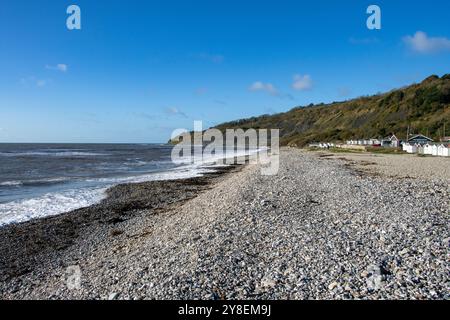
x=302 y=83
x=270 y=89
x=33 y=81
x=420 y=42
x=62 y=67
x=267 y=87
x=59 y=67
x=172 y=111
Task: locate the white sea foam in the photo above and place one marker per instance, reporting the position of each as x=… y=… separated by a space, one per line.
x=55 y=203
x=15 y=183
x=216 y=159
x=48 y=205
x=11 y=183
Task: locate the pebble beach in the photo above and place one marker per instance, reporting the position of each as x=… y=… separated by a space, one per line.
x=325 y=227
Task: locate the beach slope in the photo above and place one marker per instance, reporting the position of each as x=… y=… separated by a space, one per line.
x=320 y=228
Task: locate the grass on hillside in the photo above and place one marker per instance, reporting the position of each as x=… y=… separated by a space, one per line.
x=418 y=108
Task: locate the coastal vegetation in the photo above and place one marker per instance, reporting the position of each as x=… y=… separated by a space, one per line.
x=423 y=108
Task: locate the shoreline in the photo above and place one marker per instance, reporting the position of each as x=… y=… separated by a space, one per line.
x=44 y=240
x=319 y=229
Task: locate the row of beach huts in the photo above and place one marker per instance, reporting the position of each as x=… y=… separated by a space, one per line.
x=440 y=150
x=419 y=144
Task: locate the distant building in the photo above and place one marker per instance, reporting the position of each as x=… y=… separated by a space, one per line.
x=410 y=148
x=364 y=142
x=428 y=149
x=322 y=145
x=445 y=139
x=443 y=150
x=419 y=139
x=390 y=142
x=440 y=150
x=434 y=150
x=420 y=149
x=375 y=142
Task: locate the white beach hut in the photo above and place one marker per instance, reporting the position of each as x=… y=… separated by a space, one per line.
x=405 y=146
x=410 y=148
x=443 y=151
x=434 y=150
x=376 y=141
x=427 y=149
x=420 y=149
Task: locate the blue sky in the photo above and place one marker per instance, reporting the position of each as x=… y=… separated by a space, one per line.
x=139 y=69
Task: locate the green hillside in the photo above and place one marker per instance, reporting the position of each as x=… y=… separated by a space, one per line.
x=425 y=107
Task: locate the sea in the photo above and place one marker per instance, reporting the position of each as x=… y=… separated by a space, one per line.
x=38 y=180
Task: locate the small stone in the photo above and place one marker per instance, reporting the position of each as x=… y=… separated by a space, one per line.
x=332 y=285
x=268 y=283
x=113 y=296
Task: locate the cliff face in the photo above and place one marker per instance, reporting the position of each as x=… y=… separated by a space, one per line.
x=425 y=107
